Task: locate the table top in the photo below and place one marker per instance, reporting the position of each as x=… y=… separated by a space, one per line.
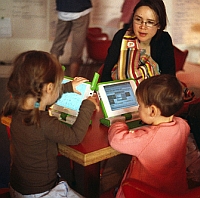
x=94 y=147
x=96 y=136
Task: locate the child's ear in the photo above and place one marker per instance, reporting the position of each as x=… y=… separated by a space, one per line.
x=154 y=111
x=49 y=87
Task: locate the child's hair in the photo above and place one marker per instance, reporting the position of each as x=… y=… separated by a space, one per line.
x=164 y=91
x=32 y=70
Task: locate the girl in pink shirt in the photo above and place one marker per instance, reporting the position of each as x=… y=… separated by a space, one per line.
x=158 y=148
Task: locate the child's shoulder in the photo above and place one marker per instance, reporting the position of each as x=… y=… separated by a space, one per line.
x=179 y=120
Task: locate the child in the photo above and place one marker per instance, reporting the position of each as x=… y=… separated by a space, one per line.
x=159 y=148
x=35 y=83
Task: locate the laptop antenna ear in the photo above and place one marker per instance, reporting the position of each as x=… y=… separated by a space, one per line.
x=94 y=81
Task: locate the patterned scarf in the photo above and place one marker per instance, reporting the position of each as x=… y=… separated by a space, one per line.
x=133 y=62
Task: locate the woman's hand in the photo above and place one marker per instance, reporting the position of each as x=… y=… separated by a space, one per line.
x=77 y=81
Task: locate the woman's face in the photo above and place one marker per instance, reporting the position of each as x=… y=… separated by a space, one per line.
x=145 y=24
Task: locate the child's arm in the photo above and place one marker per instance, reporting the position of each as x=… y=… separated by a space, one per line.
x=71 y=85
x=127 y=141
x=61 y=133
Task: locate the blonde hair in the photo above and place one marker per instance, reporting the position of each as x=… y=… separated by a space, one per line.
x=32 y=70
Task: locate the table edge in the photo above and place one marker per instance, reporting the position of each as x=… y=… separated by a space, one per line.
x=79 y=157
x=89 y=158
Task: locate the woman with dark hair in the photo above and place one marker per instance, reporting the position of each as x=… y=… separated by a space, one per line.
x=143 y=49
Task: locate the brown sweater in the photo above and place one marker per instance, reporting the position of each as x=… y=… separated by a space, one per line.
x=34 y=150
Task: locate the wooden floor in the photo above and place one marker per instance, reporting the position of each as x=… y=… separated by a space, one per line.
x=86 y=71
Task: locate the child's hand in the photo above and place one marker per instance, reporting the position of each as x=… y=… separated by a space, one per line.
x=77 y=81
x=94 y=100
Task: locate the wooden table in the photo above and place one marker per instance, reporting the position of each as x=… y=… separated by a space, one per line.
x=86 y=156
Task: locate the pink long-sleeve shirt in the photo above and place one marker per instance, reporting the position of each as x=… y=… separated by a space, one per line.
x=158 y=153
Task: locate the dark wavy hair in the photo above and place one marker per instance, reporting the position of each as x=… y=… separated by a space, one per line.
x=158 y=7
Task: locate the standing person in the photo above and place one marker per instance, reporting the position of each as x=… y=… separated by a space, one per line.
x=73 y=16
x=35 y=83
x=152 y=47
x=127 y=11
x=158 y=149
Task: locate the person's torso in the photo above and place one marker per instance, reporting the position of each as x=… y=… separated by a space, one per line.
x=162 y=161
x=73 y=6
x=34 y=163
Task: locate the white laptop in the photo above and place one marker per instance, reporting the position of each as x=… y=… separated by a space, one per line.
x=119 y=103
x=66 y=108
x=117 y=100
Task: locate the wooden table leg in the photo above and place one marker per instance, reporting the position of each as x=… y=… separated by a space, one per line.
x=87 y=179
x=83 y=179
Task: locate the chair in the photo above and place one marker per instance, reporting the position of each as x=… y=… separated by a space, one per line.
x=137 y=189
x=100 y=71
x=94 y=30
x=180 y=57
x=97 y=46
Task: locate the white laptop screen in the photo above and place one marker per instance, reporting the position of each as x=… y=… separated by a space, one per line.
x=118 y=97
x=70 y=102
